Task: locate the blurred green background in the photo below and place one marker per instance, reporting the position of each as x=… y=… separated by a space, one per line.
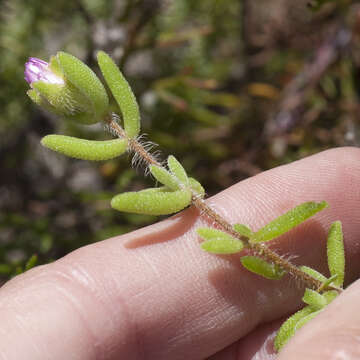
x=230 y=87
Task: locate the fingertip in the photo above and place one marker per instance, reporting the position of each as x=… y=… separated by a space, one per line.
x=333 y=334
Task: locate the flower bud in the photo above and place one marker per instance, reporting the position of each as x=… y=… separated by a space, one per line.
x=38 y=70
x=67 y=87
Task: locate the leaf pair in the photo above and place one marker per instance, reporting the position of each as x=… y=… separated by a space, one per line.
x=274 y=229
x=219 y=242
x=168 y=199
x=85 y=80
x=314 y=299
x=82 y=79
x=223 y=243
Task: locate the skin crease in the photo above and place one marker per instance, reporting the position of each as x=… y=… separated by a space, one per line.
x=154 y=294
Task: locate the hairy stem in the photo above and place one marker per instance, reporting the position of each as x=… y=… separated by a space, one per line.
x=259 y=248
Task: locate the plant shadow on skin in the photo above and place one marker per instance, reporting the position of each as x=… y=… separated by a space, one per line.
x=167 y=230
x=79 y=95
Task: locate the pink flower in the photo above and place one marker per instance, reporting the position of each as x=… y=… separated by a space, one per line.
x=38 y=70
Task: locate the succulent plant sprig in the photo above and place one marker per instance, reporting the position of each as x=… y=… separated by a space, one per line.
x=69 y=88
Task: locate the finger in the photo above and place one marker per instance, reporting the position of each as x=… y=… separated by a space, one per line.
x=258 y=345
x=333 y=334
x=168 y=299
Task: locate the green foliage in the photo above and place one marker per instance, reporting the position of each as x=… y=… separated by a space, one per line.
x=316 y=303
x=85 y=149
x=164 y=177
x=209 y=116
x=305 y=319
x=313 y=273
x=176 y=178
x=177 y=170
x=262 y=267
x=196 y=186
x=222 y=246
x=335 y=253
x=52 y=97
x=314 y=299
x=85 y=80
x=288 y=328
x=155 y=201
x=122 y=93
x=243 y=230
x=289 y=220
x=219 y=242
x=187 y=105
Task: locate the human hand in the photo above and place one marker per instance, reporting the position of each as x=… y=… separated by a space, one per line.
x=154 y=294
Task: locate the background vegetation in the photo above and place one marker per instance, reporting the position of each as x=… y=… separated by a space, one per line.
x=230 y=87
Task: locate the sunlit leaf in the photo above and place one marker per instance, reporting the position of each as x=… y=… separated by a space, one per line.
x=196 y=186
x=262 y=267
x=243 y=230
x=85 y=80
x=154 y=201
x=177 y=169
x=305 y=320
x=164 y=177
x=219 y=242
x=330 y=295
x=313 y=273
x=335 y=253
x=223 y=246
x=314 y=299
x=85 y=149
x=122 y=93
x=329 y=281
x=289 y=220
x=288 y=328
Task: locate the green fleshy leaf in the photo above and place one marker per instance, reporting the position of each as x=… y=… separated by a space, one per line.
x=85 y=149
x=289 y=220
x=219 y=242
x=59 y=100
x=313 y=273
x=314 y=299
x=122 y=93
x=63 y=100
x=164 y=177
x=330 y=295
x=335 y=253
x=154 y=201
x=262 y=267
x=177 y=169
x=305 y=319
x=35 y=97
x=288 y=328
x=330 y=280
x=196 y=186
x=243 y=230
x=222 y=246
x=85 y=80
x=211 y=234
